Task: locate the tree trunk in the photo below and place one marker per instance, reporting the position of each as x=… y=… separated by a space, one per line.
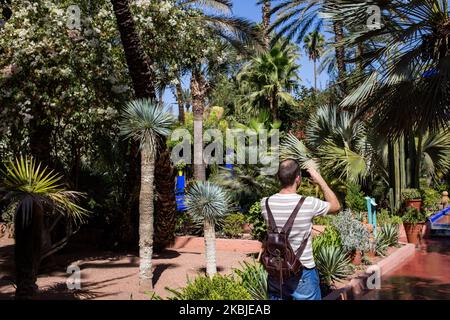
x=165 y=213
x=340 y=55
x=27 y=251
x=360 y=49
x=40 y=132
x=180 y=101
x=266 y=23
x=146 y=210
x=198 y=91
x=210 y=246
x=274 y=105
x=315 y=75
x=139 y=64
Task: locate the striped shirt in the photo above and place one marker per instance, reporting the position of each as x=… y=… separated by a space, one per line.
x=282 y=206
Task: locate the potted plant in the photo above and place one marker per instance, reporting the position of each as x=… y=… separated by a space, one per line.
x=412 y=198
x=413 y=221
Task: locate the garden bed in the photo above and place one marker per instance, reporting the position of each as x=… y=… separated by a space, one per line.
x=197 y=244
x=357 y=283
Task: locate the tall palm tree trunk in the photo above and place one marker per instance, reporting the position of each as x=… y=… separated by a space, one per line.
x=27 y=251
x=198 y=91
x=315 y=74
x=139 y=65
x=179 y=90
x=266 y=23
x=146 y=210
x=340 y=55
x=210 y=245
x=165 y=213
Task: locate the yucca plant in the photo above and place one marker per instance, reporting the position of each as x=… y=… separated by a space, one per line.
x=332 y=263
x=208 y=203
x=253 y=277
x=147 y=123
x=390 y=233
x=37 y=191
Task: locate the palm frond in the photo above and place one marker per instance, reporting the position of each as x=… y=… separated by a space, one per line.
x=206 y=200
x=145 y=121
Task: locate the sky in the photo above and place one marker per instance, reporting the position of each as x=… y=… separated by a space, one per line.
x=250 y=10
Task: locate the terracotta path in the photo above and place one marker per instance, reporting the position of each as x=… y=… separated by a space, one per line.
x=108 y=275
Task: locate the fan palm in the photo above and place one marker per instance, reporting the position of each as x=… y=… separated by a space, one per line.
x=146 y=122
x=340 y=145
x=269 y=80
x=208 y=203
x=36 y=190
x=435 y=153
x=296 y=17
x=314 y=43
x=408 y=87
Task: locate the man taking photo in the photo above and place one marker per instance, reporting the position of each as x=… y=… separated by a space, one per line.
x=295 y=213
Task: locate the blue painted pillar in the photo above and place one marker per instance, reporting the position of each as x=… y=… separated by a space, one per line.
x=180 y=191
x=372 y=213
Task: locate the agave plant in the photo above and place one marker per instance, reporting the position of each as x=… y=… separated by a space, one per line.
x=37 y=191
x=390 y=233
x=253 y=277
x=208 y=203
x=146 y=122
x=332 y=263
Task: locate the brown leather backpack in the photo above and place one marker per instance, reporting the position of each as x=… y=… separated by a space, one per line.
x=278 y=257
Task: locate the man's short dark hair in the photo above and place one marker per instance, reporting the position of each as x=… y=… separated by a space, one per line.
x=288 y=171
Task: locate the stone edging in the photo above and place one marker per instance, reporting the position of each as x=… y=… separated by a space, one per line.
x=358 y=284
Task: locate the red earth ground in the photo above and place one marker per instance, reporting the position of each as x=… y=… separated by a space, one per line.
x=108 y=275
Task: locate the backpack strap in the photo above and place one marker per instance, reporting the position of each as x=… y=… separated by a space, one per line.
x=302 y=247
x=288 y=226
x=270 y=218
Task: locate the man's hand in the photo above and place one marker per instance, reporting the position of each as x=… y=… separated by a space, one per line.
x=316 y=178
x=327 y=192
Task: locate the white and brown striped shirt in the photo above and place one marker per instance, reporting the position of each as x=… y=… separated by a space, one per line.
x=282 y=206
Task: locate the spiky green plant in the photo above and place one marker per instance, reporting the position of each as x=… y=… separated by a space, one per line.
x=147 y=123
x=253 y=277
x=37 y=191
x=389 y=232
x=27 y=181
x=332 y=263
x=209 y=203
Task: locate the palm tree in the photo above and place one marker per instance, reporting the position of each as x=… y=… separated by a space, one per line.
x=208 y=203
x=37 y=191
x=145 y=122
x=269 y=79
x=408 y=80
x=296 y=17
x=237 y=32
x=266 y=6
x=313 y=44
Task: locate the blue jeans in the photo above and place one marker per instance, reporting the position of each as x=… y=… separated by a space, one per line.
x=303 y=287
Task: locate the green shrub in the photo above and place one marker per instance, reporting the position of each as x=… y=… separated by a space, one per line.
x=354 y=199
x=381 y=246
x=332 y=263
x=354 y=235
x=216 y=288
x=253 y=277
x=411 y=194
x=431 y=199
x=412 y=215
x=233 y=225
x=396 y=220
x=322 y=220
x=256 y=218
x=329 y=238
